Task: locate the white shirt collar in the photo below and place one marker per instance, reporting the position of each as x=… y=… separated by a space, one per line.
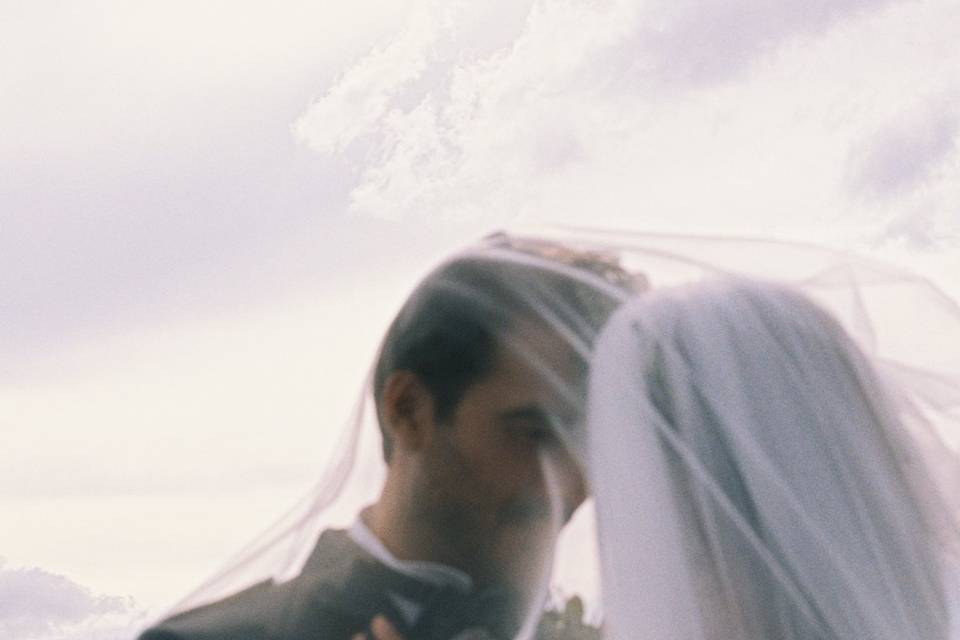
x=432 y=572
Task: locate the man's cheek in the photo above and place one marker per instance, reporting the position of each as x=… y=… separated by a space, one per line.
x=522 y=551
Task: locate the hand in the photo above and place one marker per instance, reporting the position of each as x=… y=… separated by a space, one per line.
x=381 y=630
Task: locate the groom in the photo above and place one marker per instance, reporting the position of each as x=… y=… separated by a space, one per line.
x=472 y=382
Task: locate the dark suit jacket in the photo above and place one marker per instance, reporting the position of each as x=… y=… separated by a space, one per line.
x=339 y=591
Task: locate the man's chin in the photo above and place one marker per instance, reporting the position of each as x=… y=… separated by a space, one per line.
x=522 y=553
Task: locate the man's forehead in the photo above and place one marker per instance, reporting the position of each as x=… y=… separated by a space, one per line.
x=539 y=346
x=545 y=371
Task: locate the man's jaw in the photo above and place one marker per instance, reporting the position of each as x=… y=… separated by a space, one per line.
x=539 y=510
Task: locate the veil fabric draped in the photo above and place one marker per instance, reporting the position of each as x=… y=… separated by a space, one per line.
x=765 y=472
x=900 y=334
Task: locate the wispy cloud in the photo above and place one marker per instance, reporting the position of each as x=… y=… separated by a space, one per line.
x=906 y=151
x=746 y=114
x=702 y=43
x=363 y=95
x=907 y=170
x=36 y=604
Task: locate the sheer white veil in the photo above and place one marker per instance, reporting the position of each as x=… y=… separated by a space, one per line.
x=536 y=303
x=879 y=306
x=758 y=475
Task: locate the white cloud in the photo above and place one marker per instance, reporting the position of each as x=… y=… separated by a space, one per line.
x=916 y=229
x=908 y=170
x=747 y=115
x=703 y=43
x=37 y=605
x=362 y=96
x=905 y=152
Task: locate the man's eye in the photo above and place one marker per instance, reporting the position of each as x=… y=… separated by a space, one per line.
x=536 y=435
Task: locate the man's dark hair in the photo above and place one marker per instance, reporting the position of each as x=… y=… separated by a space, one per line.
x=447 y=332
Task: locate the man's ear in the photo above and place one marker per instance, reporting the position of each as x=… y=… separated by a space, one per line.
x=408 y=410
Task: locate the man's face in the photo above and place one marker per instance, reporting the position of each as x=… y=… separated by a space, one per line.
x=500 y=479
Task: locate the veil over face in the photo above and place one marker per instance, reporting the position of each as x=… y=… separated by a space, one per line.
x=507 y=492
x=463 y=457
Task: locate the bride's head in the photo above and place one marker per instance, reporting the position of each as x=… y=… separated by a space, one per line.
x=788 y=484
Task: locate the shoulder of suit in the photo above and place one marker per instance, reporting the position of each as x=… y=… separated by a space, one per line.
x=270 y=610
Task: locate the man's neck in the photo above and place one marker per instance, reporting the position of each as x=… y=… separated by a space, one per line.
x=425 y=570
x=398 y=533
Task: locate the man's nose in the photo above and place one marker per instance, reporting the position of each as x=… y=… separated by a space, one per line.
x=564 y=479
x=576 y=494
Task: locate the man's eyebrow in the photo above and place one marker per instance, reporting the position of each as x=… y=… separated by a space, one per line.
x=530 y=412
x=536 y=415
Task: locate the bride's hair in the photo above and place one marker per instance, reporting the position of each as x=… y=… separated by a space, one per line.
x=803 y=507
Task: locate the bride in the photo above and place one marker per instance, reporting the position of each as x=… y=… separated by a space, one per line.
x=756 y=475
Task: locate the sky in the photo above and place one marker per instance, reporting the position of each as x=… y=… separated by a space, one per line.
x=209 y=211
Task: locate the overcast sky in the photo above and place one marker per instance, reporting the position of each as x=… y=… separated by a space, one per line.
x=208 y=212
